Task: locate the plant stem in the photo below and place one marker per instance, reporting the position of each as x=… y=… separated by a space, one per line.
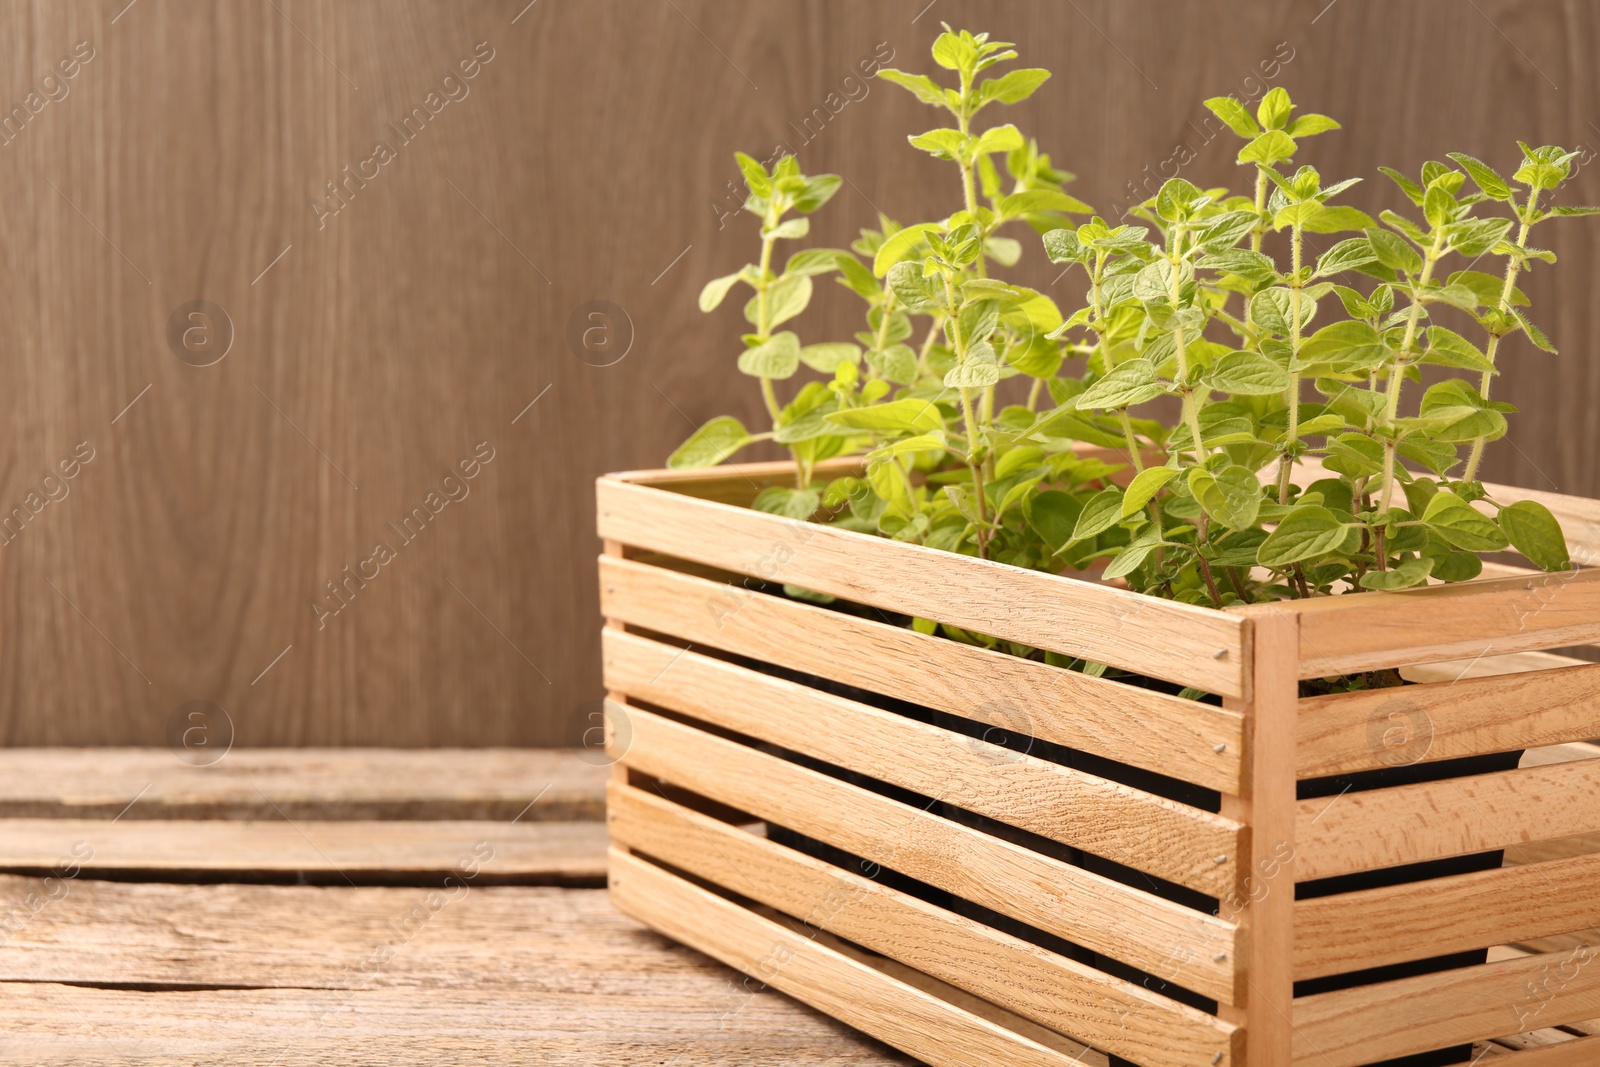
x=1292 y=394
x=763 y=321
x=1261 y=204
x=1513 y=267
x=959 y=343
x=1133 y=443
x=1191 y=413
x=969 y=189
x=1397 y=376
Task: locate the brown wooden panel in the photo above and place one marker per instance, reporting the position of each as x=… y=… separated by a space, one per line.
x=590 y=161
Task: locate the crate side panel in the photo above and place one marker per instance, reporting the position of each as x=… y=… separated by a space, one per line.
x=1198 y=647
x=1193 y=949
x=1074 y=999
x=1161 y=837
x=1188 y=740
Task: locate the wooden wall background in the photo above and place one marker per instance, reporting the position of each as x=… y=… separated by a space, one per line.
x=586 y=164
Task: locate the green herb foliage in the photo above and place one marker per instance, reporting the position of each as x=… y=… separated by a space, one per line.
x=1265 y=362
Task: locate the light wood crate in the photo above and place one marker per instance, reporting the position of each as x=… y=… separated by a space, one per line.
x=712 y=745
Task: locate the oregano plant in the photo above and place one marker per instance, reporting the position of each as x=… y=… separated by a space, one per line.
x=989 y=423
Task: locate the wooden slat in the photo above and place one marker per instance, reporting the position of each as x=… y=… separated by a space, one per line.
x=1195 y=742
x=908 y=1018
x=1198 y=647
x=1076 y=1000
x=1408 y=824
x=1373 y=927
x=1579 y=1052
x=1446 y=720
x=551 y=853
x=1164 y=838
x=1366 y=631
x=1486 y=666
x=1263 y=901
x=1129 y=924
x=302 y=783
x=1366 y=1023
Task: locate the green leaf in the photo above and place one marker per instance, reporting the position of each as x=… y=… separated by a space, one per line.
x=1248 y=374
x=921 y=86
x=827 y=357
x=1232 y=496
x=1393 y=251
x=897 y=363
x=908 y=415
x=797 y=504
x=1347 y=347
x=1234 y=114
x=1573 y=211
x=1308 y=531
x=1474 y=237
x=1410 y=573
x=1274 y=146
x=1224 y=230
x=1484 y=176
x=1035 y=200
x=816 y=261
x=1310 y=124
x=1053 y=515
x=818 y=191
x=710 y=444
x=755 y=175
x=952 y=53
x=1134 y=554
x=1063 y=246
x=1535 y=334
x=1337 y=219
x=778 y=357
x=1103 y=511
x=899 y=245
x=1348 y=254
x=1144 y=487
x=716 y=289
x=1413 y=191
x=1273 y=111
x=1130 y=383
x=1536 y=533
x=1446 y=348
x=790 y=230
x=1012 y=87
x=1438 y=205
x=1005 y=138
x=1463 y=525
x=973 y=374
x=941 y=143
x=786 y=298
x=910 y=287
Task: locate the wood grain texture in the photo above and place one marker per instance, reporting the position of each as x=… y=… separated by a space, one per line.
x=1200 y=647
x=1197 y=742
x=1075 y=1000
x=908 y=1017
x=597 y=144
x=1137 y=829
x=1447 y=720
x=1366 y=1023
x=526 y=853
x=263 y=975
x=1373 y=927
x=350 y=783
x=1196 y=950
x=1451 y=817
x=1263 y=901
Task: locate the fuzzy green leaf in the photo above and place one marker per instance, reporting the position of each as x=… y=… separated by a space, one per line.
x=1463 y=525
x=921 y=86
x=1247 y=374
x=1133 y=382
x=1103 y=511
x=896 y=416
x=1308 y=531
x=1234 y=114
x=710 y=444
x=1144 y=487
x=1536 y=533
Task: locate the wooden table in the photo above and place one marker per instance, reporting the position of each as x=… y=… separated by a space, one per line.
x=334 y=907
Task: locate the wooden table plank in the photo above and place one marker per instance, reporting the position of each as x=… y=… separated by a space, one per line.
x=336 y=976
x=549 y=853
x=694 y=1020
x=348 y=783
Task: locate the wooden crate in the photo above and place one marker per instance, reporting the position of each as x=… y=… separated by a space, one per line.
x=1003 y=904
